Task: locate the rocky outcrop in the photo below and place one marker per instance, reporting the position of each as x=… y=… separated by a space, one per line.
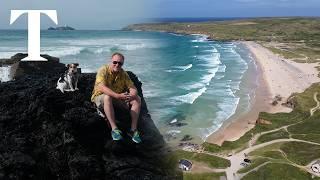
x=62 y=28
x=49 y=135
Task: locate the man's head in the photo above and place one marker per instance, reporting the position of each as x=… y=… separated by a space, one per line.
x=117 y=60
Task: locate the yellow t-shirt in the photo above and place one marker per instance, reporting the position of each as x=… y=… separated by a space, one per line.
x=118 y=82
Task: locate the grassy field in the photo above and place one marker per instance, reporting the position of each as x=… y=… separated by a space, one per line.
x=255 y=163
x=301 y=153
x=293 y=38
x=277 y=171
x=211 y=161
x=202 y=176
x=281 y=134
x=303 y=126
x=278 y=120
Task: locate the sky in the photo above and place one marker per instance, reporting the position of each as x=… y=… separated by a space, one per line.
x=115 y=14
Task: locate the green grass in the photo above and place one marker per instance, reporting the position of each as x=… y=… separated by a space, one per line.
x=263 y=150
x=271 y=151
x=255 y=163
x=202 y=176
x=304 y=101
x=308 y=137
x=284 y=53
x=276 y=171
x=277 y=120
x=310 y=126
x=281 y=134
x=274 y=155
x=301 y=153
x=211 y=161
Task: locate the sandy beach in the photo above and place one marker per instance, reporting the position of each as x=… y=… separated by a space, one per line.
x=276 y=76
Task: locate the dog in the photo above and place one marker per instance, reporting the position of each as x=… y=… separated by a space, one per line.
x=68 y=81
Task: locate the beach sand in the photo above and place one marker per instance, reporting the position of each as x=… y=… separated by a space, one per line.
x=276 y=76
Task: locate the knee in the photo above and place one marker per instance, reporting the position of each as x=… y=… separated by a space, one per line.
x=137 y=101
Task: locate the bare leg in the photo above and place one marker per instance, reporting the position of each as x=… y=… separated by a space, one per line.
x=109 y=111
x=134 y=112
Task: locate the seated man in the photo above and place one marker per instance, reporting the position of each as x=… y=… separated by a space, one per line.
x=113 y=86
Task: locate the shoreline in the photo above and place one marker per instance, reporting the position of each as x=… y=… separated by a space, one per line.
x=295 y=77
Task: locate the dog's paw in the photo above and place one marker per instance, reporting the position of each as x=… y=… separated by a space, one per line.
x=76 y=89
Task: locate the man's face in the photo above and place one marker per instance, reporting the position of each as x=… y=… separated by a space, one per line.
x=116 y=63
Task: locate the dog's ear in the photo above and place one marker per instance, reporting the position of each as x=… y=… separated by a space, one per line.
x=76 y=64
x=67 y=65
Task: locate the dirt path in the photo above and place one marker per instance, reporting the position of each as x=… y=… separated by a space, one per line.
x=254 y=139
x=312 y=110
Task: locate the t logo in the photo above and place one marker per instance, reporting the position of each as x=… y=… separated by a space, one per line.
x=33 y=30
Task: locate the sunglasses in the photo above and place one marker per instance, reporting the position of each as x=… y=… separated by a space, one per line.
x=117 y=62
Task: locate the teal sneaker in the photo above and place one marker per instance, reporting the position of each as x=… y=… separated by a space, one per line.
x=135 y=135
x=116 y=134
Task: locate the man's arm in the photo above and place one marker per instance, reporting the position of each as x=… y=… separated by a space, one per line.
x=109 y=92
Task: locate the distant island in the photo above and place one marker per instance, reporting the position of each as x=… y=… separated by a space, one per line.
x=62 y=28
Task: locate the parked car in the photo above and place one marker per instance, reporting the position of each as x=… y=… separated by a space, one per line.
x=247 y=160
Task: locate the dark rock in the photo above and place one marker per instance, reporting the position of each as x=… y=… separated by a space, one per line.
x=49 y=135
x=186 y=138
x=178 y=124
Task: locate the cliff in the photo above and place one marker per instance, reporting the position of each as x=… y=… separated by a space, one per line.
x=49 y=135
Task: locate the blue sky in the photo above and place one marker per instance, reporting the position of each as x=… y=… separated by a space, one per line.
x=114 y=14
x=236 y=8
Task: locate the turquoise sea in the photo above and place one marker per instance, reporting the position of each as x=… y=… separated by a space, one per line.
x=186 y=79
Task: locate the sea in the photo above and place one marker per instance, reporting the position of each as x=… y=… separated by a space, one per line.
x=191 y=85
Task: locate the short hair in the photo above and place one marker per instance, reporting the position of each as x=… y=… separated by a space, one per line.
x=118 y=54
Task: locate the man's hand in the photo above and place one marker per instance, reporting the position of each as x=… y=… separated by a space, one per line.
x=122 y=96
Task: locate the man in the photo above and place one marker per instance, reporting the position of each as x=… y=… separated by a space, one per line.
x=113 y=87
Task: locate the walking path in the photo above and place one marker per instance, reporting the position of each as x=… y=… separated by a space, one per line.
x=312 y=110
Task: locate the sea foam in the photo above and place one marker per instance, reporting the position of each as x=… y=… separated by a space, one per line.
x=5 y=73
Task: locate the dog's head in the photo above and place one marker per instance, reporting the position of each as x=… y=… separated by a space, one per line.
x=72 y=68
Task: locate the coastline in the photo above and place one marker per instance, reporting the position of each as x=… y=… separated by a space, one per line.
x=295 y=77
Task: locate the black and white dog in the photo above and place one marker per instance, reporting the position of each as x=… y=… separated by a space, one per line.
x=69 y=80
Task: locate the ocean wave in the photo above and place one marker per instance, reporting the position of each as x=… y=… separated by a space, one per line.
x=227 y=109
x=101 y=50
x=63 y=51
x=88 y=70
x=212 y=64
x=190 y=97
x=125 y=44
x=200 y=38
x=213 y=50
x=12 y=49
x=175 y=34
x=173 y=132
x=222 y=68
x=180 y=68
x=8 y=54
